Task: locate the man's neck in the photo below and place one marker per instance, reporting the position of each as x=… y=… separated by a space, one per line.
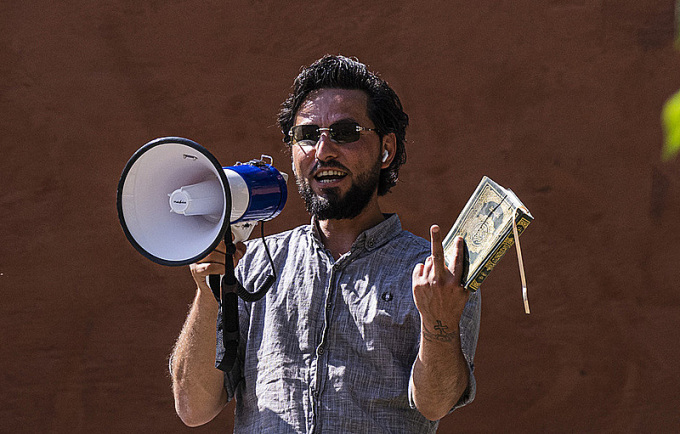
x=339 y=235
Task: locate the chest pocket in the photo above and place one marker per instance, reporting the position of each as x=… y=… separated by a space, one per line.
x=378 y=317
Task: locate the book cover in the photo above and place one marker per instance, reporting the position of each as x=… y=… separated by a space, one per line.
x=486 y=224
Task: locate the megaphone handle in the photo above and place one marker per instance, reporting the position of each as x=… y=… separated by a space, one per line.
x=230 y=333
x=231 y=290
x=215 y=281
x=214 y=284
x=229 y=310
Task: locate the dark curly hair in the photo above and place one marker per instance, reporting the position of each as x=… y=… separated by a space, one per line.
x=384 y=107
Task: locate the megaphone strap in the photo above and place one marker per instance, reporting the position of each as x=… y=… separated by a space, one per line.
x=227 y=290
x=214 y=284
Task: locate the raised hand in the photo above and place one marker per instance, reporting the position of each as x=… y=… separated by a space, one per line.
x=437 y=290
x=440 y=373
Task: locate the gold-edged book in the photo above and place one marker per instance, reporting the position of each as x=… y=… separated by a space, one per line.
x=486 y=225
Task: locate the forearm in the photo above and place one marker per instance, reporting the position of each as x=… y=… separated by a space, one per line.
x=440 y=373
x=198 y=386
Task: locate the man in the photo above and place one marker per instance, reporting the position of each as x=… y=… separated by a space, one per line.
x=366 y=329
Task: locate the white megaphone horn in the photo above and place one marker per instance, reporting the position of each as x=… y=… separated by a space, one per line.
x=176 y=202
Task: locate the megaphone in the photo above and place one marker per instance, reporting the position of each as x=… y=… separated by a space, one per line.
x=176 y=202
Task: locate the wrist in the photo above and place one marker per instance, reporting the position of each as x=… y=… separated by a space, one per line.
x=441 y=331
x=205 y=295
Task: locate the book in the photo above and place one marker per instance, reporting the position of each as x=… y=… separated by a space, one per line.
x=490 y=222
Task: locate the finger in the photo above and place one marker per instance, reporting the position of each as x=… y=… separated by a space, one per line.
x=220 y=262
x=206 y=268
x=458 y=257
x=418 y=271
x=437 y=249
x=213 y=258
x=427 y=266
x=221 y=248
x=216 y=255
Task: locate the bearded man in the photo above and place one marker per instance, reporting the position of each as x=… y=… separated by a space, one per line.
x=366 y=328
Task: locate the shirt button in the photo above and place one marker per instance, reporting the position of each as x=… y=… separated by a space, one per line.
x=370 y=243
x=319 y=351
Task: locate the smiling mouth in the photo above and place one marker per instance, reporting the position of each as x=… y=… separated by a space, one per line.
x=328 y=176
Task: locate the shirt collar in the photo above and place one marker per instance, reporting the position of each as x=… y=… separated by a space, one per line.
x=374 y=237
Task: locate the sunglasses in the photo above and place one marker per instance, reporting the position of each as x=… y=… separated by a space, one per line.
x=339 y=132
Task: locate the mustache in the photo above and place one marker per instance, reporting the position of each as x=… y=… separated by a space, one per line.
x=331 y=164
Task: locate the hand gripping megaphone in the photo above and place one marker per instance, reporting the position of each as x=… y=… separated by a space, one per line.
x=176 y=203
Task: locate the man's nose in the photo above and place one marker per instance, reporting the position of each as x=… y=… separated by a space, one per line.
x=326 y=149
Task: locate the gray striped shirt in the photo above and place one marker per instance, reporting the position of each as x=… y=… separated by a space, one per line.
x=331 y=346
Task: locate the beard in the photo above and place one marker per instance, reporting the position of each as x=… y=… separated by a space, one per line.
x=333 y=205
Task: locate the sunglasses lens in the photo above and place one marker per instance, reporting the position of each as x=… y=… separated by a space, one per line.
x=305 y=134
x=345 y=133
x=308 y=135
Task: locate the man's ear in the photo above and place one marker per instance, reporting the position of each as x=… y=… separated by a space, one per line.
x=389 y=148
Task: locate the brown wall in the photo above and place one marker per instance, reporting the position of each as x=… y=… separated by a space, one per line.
x=558 y=100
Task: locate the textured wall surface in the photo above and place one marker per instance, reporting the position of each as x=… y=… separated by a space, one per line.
x=558 y=100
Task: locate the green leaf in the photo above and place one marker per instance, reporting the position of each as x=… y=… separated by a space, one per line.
x=670 y=118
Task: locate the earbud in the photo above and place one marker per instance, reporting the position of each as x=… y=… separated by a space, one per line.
x=385 y=156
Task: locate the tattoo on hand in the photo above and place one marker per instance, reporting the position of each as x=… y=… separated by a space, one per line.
x=441 y=333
